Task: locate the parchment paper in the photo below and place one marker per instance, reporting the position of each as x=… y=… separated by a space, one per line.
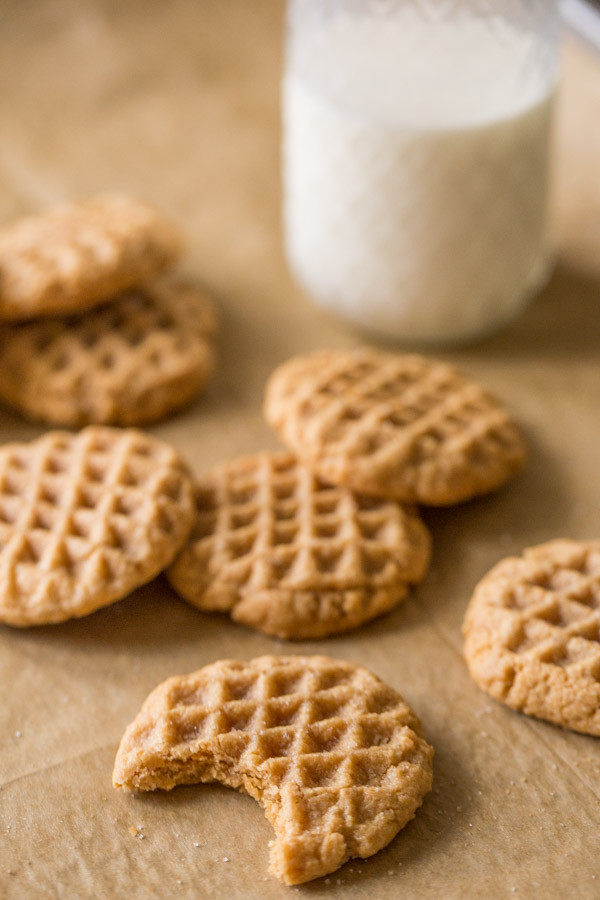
x=178 y=103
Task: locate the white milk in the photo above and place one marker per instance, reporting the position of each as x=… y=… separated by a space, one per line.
x=417 y=210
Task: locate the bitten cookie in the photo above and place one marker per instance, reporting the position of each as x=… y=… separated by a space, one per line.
x=85 y=519
x=283 y=552
x=532 y=633
x=336 y=758
x=133 y=361
x=80 y=254
x=393 y=426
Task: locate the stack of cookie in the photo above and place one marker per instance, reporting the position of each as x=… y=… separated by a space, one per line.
x=316 y=541
x=88 y=334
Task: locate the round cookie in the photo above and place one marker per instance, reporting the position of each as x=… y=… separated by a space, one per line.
x=334 y=756
x=393 y=426
x=131 y=362
x=283 y=552
x=85 y=519
x=532 y=633
x=79 y=254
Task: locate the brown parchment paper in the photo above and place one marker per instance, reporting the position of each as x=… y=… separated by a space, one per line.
x=178 y=103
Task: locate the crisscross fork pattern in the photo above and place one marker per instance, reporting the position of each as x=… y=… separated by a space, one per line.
x=130 y=361
x=84 y=519
x=265 y=523
x=397 y=426
x=533 y=633
x=286 y=727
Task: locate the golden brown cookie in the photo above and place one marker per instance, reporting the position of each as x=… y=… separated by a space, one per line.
x=80 y=254
x=130 y=362
x=85 y=519
x=393 y=426
x=334 y=756
x=532 y=633
x=283 y=552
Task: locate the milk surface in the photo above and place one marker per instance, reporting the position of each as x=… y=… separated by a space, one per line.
x=415 y=174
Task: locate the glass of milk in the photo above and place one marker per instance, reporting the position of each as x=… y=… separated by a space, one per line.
x=415 y=160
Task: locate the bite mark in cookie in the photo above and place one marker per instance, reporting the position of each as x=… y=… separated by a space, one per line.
x=333 y=755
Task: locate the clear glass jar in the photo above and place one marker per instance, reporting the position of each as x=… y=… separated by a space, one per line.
x=416 y=138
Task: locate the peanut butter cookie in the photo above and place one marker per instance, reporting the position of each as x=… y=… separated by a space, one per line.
x=85 y=519
x=80 y=254
x=532 y=633
x=130 y=362
x=283 y=552
x=336 y=758
x=393 y=426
